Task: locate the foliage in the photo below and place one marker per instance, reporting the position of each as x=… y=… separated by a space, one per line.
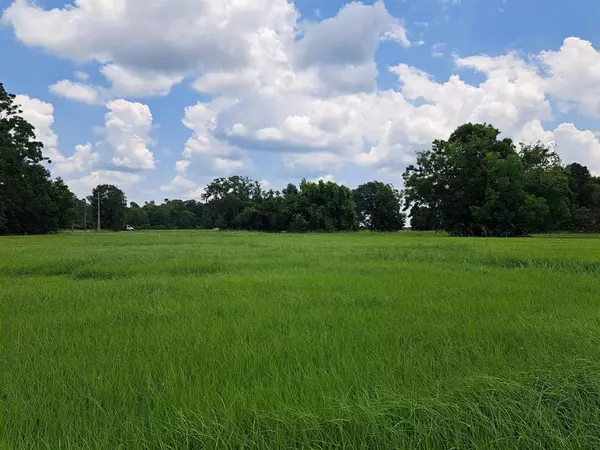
x=112 y=206
x=477 y=184
x=545 y=178
x=473 y=184
x=379 y=207
x=30 y=202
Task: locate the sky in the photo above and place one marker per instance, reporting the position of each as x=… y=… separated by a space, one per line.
x=159 y=97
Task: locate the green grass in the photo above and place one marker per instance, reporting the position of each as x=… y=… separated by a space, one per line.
x=193 y=340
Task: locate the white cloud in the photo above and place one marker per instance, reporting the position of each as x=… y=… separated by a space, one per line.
x=82 y=160
x=313 y=161
x=145 y=51
x=351 y=37
x=533 y=132
x=81 y=76
x=177 y=184
x=325 y=178
x=573 y=75
x=41 y=116
x=138 y=83
x=227 y=166
x=340 y=50
x=580 y=146
x=305 y=91
x=196 y=193
x=572 y=144
x=76 y=91
x=181 y=166
x=204 y=147
x=128 y=126
x=377 y=128
x=152 y=47
x=84 y=185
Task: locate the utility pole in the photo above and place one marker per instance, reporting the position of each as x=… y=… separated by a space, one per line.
x=84 y=215
x=98 y=210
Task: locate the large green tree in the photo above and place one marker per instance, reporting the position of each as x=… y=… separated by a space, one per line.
x=379 y=206
x=474 y=184
x=226 y=198
x=30 y=202
x=546 y=178
x=113 y=204
x=65 y=204
x=585 y=199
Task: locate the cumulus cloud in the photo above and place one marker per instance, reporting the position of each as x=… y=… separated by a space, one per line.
x=341 y=49
x=144 y=50
x=304 y=91
x=181 y=166
x=81 y=76
x=128 y=127
x=576 y=145
x=84 y=185
x=313 y=161
x=77 y=91
x=572 y=144
x=212 y=154
x=125 y=147
x=152 y=45
x=325 y=178
x=41 y=116
x=177 y=183
x=534 y=132
x=82 y=160
x=138 y=83
x=351 y=37
x=385 y=128
x=573 y=75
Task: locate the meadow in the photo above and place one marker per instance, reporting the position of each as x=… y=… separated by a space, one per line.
x=217 y=340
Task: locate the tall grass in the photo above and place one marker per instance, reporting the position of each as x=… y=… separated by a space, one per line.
x=189 y=340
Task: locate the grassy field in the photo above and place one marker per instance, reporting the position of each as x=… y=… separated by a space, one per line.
x=190 y=340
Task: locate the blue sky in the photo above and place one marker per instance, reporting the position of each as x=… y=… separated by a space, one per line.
x=160 y=97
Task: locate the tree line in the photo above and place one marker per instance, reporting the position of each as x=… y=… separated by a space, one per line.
x=240 y=203
x=473 y=184
x=476 y=184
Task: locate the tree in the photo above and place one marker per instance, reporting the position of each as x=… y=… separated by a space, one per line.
x=196 y=208
x=227 y=197
x=272 y=207
x=324 y=206
x=474 y=184
x=585 y=199
x=65 y=203
x=136 y=216
x=186 y=220
x=579 y=183
x=545 y=178
x=423 y=218
x=379 y=207
x=507 y=209
x=30 y=202
x=251 y=219
x=113 y=204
